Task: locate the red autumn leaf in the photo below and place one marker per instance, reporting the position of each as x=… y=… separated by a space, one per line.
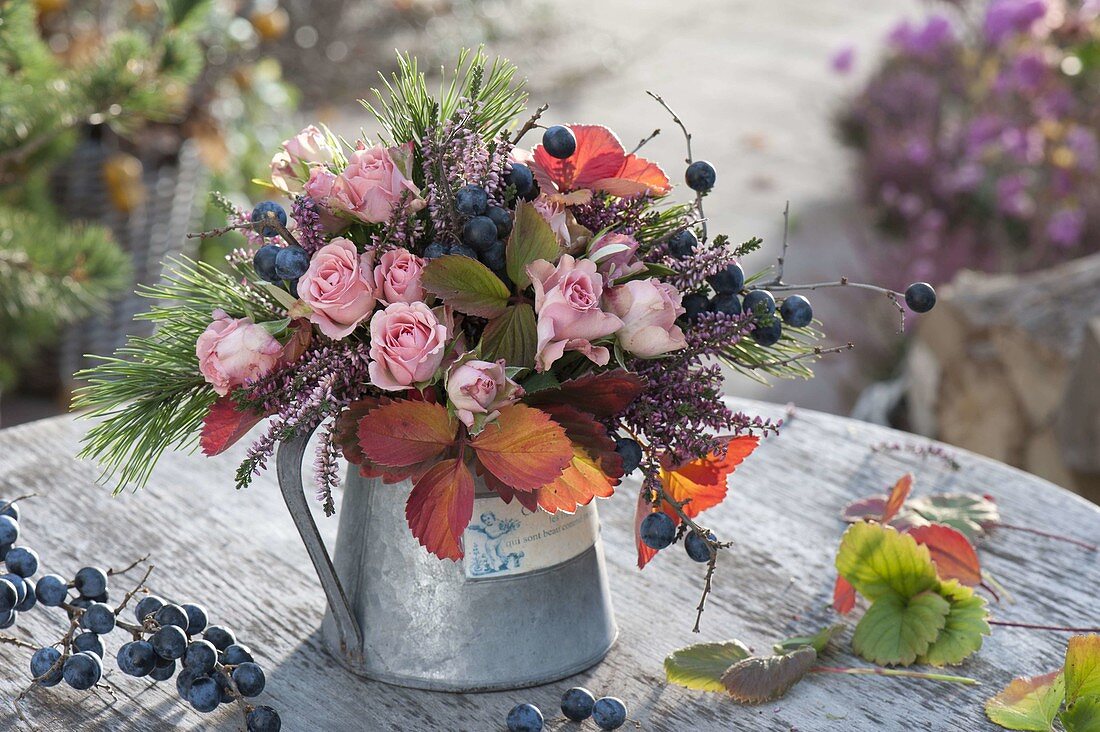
x=703 y=482
x=527 y=499
x=952 y=553
x=404 y=433
x=440 y=506
x=346 y=433
x=600 y=163
x=603 y=394
x=898 y=494
x=301 y=332
x=844 y=596
x=224 y=424
x=523 y=448
x=643 y=509
x=582 y=480
x=583 y=430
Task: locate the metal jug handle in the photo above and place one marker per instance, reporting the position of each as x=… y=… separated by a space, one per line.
x=289 y=467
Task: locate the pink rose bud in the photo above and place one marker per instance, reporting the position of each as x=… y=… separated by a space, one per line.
x=308 y=147
x=232 y=352
x=373 y=184
x=478 y=389
x=648 y=309
x=338 y=287
x=615 y=256
x=319 y=188
x=567 y=300
x=397 y=277
x=407 y=346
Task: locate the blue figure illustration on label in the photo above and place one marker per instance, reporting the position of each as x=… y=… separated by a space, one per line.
x=487 y=554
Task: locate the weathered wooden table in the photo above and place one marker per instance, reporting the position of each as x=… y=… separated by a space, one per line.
x=238 y=554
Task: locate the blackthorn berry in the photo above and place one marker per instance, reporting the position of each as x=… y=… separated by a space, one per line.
x=462 y=250
x=264 y=719
x=196 y=618
x=249 y=679
x=796 y=311
x=609 y=713
x=725 y=302
x=169 y=642
x=236 y=654
x=89 y=642
x=700 y=176
x=631 y=453
x=9 y=596
x=697 y=547
x=502 y=217
x=768 y=332
x=51 y=590
x=136 y=658
x=82 y=670
x=291 y=262
x=200 y=657
x=559 y=142
x=9 y=530
x=221 y=637
x=163 y=673
x=479 y=233
x=525 y=717
x=577 y=703
x=22 y=561
x=205 y=695
x=471 y=200
x=493 y=257
x=759 y=301
x=98 y=618
x=920 y=297
x=729 y=280
x=263 y=261
x=172 y=615
x=260 y=215
x=521 y=177
x=43 y=665
x=695 y=304
x=657 y=530
x=434 y=250
x=90 y=581
x=682 y=244
x=147 y=606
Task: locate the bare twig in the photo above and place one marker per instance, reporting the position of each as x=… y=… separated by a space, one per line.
x=687 y=138
x=645 y=140
x=137 y=588
x=213 y=233
x=23 y=497
x=530 y=124
x=781 y=260
x=1033 y=626
x=1048 y=535
x=12 y=641
x=892 y=295
x=128 y=567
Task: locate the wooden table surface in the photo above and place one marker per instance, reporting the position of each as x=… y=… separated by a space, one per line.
x=237 y=553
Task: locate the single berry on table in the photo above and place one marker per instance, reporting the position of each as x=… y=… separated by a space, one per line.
x=559 y=142
x=502 y=217
x=221 y=637
x=471 y=200
x=796 y=311
x=700 y=176
x=682 y=244
x=461 y=250
x=493 y=257
x=82 y=670
x=90 y=581
x=479 y=233
x=521 y=178
x=205 y=695
x=89 y=642
x=263 y=261
x=759 y=302
x=249 y=678
x=98 y=618
x=920 y=297
x=697 y=547
x=729 y=280
x=768 y=333
x=631 y=453
x=171 y=615
x=695 y=304
x=169 y=642
x=237 y=654
x=727 y=303
x=434 y=250
x=22 y=561
x=200 y=657
x=136 y=658
x=196 y=618
x=264 y=213
x=609 y=713
x=9 y=530
x=264 y=719
x=45 y=666
x=657 y=530
x=524 y=718
x=291 y=262
x=577 y=703
x=147 y=606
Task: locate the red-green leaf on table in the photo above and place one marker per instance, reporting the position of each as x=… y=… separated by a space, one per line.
x=951 y=551
x=895 y=631
x=531 y=239
x=870 y=508
x=702 y=665
x=765 y=678
x=523 y=448
x=1082 y=667
x=970 y=513
x=512 y=336
x=704 y=483
x=879 y=561
x=897 y=498
x=844 y=596
x=224 y=424
x=819 y=641
x=1028 y=702
x=1082 y=715
x=967 y=622
x=406 y=433
x=642 y=509
x=440 y=506
x=602 y=394
x=467 y=285
x=580 y=482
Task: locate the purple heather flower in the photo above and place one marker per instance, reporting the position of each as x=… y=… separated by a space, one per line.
x=1082 y=141
x=1004 y=18
x=923 y=42
x=1013 y=197
x=1066 y=226
x=843 y=60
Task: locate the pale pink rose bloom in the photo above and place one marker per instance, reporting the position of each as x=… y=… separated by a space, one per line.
x=648 y=309
x=480 y=388
x=235 y=351
x=308 y=147
x=284 y=176
x=397 y=277
x=567 y=300
x=338 y=287
x=407 y=346
x=319 y=188
x=373 y=183
x=615 y=256
x=555 y=214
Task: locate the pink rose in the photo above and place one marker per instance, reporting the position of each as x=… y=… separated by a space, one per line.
x=615 y=256
x=308 y=147
x=338 y=287
x=407 y=346
x=236 y=351
x=373 y=183
x=319 y=188
x=397 y=277
x=567 y=300
x=478 y=389
x=648 y=309
x=284 y=176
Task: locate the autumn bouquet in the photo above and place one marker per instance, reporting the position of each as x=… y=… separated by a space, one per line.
x=445 y=306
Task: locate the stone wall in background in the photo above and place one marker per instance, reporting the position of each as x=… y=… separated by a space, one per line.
x=1009 y=366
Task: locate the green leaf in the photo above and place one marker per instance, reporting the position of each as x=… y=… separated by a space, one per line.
x=962 y=632
x=702 y=665
x=765 y=678
x=531 y=239
x=1082 y=715
x=540 y=381
x=970 y=513
x=281 y=296
x=1082 y=667
x=275 y=327
x=467 y=285
x=1028 y=702
x=818 y=641
x=879 y=561
x=512 y=337
x=652 y=269
x=895 y=631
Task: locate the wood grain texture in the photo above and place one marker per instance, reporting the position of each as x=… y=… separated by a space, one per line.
x=237 y=553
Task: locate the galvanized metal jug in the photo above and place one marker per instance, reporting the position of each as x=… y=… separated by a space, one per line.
x=529 y=603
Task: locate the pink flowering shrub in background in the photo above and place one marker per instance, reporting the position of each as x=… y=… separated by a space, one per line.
x=977 y=139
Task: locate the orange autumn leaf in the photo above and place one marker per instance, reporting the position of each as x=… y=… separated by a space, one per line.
x=703 y=482
x=405 y=433
x=897 y=498
x=580 y=482
x=844 y=596
x=600 y=163
x=440 y=506
x=641 y=510
x=952 y=553
x=523 y=448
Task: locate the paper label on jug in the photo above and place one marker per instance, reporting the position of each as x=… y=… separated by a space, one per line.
x=505 y=539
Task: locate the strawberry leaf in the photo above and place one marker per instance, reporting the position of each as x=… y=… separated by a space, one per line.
x=512 y=336
x=879 y=561
x=531 y=239
x=970 y=513
x=224 y=424
x=844 y=596
x=467 y=285
x=602 y=394
x=963 y=629
x=582 y=480
x=405 y=433
x=897 y=498
x=523 y=448
x=1082 y=715
x=702 y=665
x=1028 y=702
x=818 y=641
x=764 y=678
x=704 y=483
x=440 y=506
x=1082 y=668
x=951 y=552
x=870 y=508
x=896 y=630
